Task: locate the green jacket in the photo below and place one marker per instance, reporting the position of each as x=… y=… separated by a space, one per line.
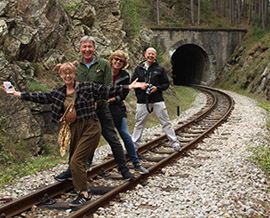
x=99 y=72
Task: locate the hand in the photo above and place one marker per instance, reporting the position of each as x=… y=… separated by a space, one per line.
x=111 y=99
x=18 y=94
x=153 y=89
x=136 y=84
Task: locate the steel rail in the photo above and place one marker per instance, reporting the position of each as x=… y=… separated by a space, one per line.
x=35 y=198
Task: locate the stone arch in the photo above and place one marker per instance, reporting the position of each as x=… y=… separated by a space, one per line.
x=190 y=65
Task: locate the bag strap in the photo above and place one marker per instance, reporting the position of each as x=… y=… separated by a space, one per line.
x=150 y=110
x=71 y=103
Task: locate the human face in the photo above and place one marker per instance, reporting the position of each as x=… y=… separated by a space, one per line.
x=150 y=56
x=87 y=50
x=68 y=77
x=118 y=62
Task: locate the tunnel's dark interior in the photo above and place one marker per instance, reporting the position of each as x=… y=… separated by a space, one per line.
x=188 y=64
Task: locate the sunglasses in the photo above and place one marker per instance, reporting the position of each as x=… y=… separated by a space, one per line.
x=118 y=59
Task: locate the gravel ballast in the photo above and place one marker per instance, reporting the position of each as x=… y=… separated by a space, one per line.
x=214 y=180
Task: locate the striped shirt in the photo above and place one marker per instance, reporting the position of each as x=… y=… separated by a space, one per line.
x=86 y=95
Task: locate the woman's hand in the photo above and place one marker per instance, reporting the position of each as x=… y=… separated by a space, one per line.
x=18 y=94
x=136 y=84
x=111 y=99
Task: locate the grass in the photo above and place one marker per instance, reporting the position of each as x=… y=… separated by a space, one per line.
x=18 y=159
x=261 y=157
x=261 y=154
x=9 y=173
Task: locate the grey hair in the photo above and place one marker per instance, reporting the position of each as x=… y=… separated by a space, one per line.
x=88 y=39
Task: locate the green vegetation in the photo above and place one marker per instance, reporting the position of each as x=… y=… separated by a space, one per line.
x=261 y=154
x=246 y=65
x=77 y=5
x=35 y=86
x=261 y=157
x=159 y=52
x=131 y=11
x=18 y=159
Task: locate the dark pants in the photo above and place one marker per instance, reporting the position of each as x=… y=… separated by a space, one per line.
x=85 y=136
x=110 y=135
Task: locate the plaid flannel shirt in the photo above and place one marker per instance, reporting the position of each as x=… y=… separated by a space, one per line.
x=86 y=95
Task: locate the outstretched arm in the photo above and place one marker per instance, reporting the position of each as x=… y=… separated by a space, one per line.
x=136 y=84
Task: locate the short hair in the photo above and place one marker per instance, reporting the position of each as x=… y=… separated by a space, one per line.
x=71 y=66
x=119 y=53
x=88 y=39
x=151 y=48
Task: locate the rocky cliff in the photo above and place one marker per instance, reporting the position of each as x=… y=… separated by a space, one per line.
x=35 y=35
x=248 y=69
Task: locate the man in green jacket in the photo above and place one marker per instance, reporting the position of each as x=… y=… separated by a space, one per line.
x=98 y=70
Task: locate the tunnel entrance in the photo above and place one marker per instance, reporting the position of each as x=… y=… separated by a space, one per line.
x=189 y=64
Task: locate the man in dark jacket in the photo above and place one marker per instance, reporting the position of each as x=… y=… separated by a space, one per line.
x=151 y=98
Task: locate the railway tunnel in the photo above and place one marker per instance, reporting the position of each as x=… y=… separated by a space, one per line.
x=190 y=64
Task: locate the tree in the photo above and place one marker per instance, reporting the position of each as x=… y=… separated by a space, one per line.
x=239 y=11
x=158 y=12
x=224 y=8
x=249 y=13
x=130 y=13
x=199 y=13
x=213 y=5
x=231 y=11
x=192 y=12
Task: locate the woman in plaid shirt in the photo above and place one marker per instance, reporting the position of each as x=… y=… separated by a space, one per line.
x=86 y=130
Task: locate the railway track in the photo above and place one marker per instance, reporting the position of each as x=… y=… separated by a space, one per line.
x=105 y=183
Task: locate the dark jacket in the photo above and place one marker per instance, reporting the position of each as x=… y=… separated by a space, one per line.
x=118 y=108
x=99 y=72
x=156 y=76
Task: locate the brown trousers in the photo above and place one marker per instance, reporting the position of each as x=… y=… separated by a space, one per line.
x=85 y=136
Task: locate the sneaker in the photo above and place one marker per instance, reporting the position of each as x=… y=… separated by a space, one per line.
x=177 y=147
x=63 y=176
x=73 y=192
x=88 y=167
x=127 y=175
x=140 y=169
x=80 y=200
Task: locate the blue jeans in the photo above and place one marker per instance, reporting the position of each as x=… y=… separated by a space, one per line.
x=129 y=145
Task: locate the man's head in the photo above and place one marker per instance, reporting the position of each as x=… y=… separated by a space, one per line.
x=87 y=48
x=150 y=55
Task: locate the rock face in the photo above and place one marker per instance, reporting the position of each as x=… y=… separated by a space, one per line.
x=35 y=35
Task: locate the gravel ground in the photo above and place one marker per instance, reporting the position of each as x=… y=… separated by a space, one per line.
x=215 y=180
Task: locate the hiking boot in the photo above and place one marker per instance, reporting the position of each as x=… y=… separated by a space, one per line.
x=127 y=175
x=140 y=169
x=63 y=176
x=80 y=200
